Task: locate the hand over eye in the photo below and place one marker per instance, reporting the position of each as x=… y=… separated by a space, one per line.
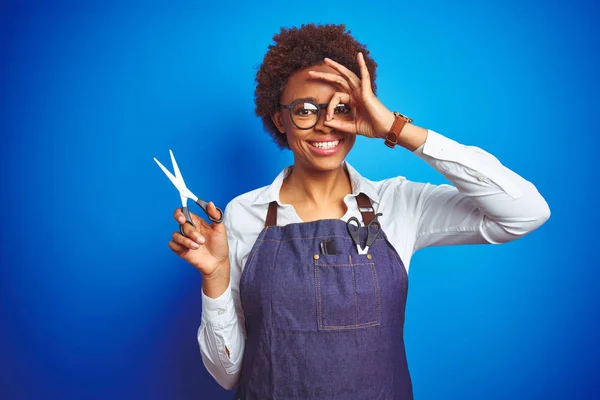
x=371 y=117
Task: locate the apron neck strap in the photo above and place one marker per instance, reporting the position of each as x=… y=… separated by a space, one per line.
x=271 y=215
x=364 y=206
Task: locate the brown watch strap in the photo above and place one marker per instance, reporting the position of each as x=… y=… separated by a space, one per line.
x=391 y=139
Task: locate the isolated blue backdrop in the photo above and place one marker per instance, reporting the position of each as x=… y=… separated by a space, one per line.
x=93 y=304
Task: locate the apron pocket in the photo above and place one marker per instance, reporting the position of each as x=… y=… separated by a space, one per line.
x=348 y=292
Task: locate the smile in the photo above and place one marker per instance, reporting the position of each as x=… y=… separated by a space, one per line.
x=325 y=145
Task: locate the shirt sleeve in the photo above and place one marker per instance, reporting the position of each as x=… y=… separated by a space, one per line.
x=488 y=203
x=221 y=335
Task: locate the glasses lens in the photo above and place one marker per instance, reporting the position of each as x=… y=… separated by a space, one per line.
x=343 y=112
x=305 y=115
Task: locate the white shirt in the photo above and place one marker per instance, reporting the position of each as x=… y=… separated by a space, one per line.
x=487 y=204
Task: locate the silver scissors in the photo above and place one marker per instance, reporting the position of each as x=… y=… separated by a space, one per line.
x=373 y=229
x=185 y=194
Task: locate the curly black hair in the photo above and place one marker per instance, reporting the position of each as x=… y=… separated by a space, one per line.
x=296 y=49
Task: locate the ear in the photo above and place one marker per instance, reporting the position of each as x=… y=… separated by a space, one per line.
x=277 y=119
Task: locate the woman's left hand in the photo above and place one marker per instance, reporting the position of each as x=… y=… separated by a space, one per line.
x=371 y=118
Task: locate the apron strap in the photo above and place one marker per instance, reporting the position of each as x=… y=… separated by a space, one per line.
x=271 y=215
x=364 y=206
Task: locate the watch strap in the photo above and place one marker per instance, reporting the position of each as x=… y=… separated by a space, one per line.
x=391 y=138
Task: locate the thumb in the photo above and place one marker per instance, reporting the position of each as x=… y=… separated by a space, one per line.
x=216 y=214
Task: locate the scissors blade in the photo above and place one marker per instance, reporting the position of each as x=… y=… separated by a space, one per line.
x=177 y=180
x=188 y=193
x=176 y=168
x=172 y=178
x=183 y=198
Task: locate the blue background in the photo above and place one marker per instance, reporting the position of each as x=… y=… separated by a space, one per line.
x=93 y=304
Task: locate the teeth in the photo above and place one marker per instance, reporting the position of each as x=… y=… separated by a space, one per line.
x=325 y=145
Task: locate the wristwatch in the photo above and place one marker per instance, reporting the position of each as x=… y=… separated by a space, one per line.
x=391 y=139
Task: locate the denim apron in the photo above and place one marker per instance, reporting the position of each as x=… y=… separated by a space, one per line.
x=323 y=326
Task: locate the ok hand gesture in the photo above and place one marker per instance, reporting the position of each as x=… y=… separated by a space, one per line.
x=371 y=118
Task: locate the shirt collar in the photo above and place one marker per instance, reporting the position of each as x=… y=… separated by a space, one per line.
x=358 y=182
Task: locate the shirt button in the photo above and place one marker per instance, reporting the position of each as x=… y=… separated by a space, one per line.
x=481 y=178
x=220 y=311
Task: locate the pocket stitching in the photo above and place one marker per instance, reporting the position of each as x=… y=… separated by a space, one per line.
x=355 y=296
x=375 y=322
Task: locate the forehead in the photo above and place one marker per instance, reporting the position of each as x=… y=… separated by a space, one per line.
x=301 y=85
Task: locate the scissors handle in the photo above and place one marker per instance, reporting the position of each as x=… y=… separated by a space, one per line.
x=188 y=218
x=204 y=205
x=353 y=226
x=373 y=230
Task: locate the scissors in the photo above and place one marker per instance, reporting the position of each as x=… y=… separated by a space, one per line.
x=185 y=194
x=373 y=229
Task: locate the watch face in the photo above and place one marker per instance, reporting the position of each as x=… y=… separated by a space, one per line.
x=408 y=120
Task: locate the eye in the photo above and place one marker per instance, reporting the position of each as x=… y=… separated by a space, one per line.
x=342 y=109
x=305 y=109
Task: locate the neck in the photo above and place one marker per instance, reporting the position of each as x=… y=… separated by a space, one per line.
x=316 y=187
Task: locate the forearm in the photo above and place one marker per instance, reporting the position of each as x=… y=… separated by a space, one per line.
x=412 y=137
x=492 y=200
x=223 y=369
x=221 y=337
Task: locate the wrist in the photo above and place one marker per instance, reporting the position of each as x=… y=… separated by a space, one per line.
x=217 y=272
x=215 y=283
x=392 y=137
x=412 y=137
x=387 y=123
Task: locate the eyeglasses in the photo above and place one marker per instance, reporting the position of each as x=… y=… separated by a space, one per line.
x=305 y=114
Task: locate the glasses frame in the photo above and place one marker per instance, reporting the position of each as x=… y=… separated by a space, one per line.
x=296 y=102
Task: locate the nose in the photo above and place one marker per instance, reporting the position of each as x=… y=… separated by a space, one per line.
x=320 y=126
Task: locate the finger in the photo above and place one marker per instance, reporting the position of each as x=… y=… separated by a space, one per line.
x=342 y=126
x=333 y=78
x=184 y=241
x=350 y=76
x=192 y=232
x=179 y=217
x=365 y=76
x=214 y=213
x=177 y=248
x=338 y=97
x=191 y=235
x=187 y=228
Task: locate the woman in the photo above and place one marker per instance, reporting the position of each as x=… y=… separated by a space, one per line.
x=293 y=306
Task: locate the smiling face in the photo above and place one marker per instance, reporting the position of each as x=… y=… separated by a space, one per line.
x=319 y=148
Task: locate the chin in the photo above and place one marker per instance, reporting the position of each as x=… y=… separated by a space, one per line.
x=326 y=164
x=319 y=160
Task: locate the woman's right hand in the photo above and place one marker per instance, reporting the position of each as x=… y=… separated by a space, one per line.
x=205 y=247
